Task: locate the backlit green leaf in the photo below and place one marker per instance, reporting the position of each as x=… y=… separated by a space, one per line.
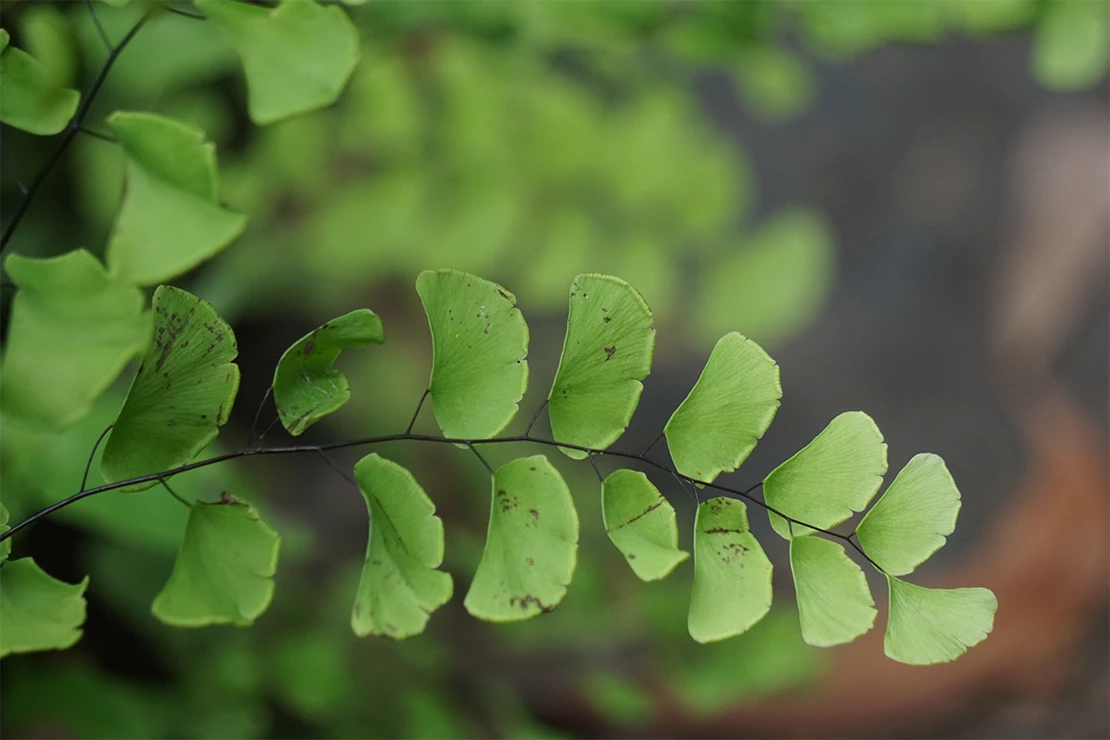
x=182 y=394
x=730 y=407
x=479 y=342
x=306 y=386
x=400 y=586
x=835 y=475
x=6 y=545
x=913 y=517
x=37 y=611
x=641 y=523
x=834 y=601
x=297 y=57
x=171 y=219
x=606 y=353
x=532 y=545
x=933 y=625
x=732 y=575
x=72 y=331
x=29 y=98
x=224 y=570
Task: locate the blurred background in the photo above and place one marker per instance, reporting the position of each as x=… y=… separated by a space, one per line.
x=906 y=203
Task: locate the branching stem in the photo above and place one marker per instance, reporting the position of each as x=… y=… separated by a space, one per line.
x=471 y=444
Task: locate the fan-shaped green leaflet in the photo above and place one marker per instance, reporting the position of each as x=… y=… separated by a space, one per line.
x=834 y=601
x=730 y=407
x=641 y=523
x=306 y=386
x=606 y=353
x=224 y=570
x=829 y=479
x=532 y=545
x=181 y=395
x=732 y=575
x=38 y=612
x=479 y=342
x=400 y=586
x=932 y=625
x=29 y=99
x=913 y=517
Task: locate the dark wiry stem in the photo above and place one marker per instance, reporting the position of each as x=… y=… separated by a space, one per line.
x=85 y=477
x=472 y=444
x=416 y=413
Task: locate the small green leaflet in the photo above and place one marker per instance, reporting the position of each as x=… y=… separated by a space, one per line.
x=400 y=586
x=72 y=331
x=306 y=386
x=732 y=575
x=641 y=523
x=835 y=475
x=913 y=517
x=834 y=601
x=532 y=545
x=224 y=570
x=730 y=407
x=37 y=611
x=606 y=353
x=479 y=342
x=171 y=219
x=6 y=545
x=933 y=625
x=182 y=394
x=28 y=98
x=297 y=57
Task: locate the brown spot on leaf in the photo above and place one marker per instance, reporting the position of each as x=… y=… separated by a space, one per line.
x=609 y=352
x=308 y=348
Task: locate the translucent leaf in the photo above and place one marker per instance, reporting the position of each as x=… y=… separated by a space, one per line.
x=224 y=570
x=606 y=353
x=1071 y=48
x=181 y=395
x=28 y=98
x=171 y=219
x=479 y=342
x=297 y=57
x=6 y=545
x=37 y=611
x=829 y=479
x=400 y=586
x=532 y=545
x=732 y=575
x=913 y=517
x=933 y=625
x=306 y=386
x=641 y=523
x=72 y=331
x=730 y=407
x=45 y=31
x=834 y=601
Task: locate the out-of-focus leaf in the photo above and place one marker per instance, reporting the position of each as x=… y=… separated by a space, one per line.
x=30 y=97
x=37 y=611
x=1071 y=48
x=774 y=83
x=297 y=56
x=773 y=284
x=72 y=330
x=171 y=219
x=49 y=40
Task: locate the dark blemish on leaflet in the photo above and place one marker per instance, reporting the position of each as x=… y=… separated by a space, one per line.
x=631 y=556
x=609 y=352
x=358 y=609
x=607 y=319
x=535 y=514
x=308 y=348
x=530 y=561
